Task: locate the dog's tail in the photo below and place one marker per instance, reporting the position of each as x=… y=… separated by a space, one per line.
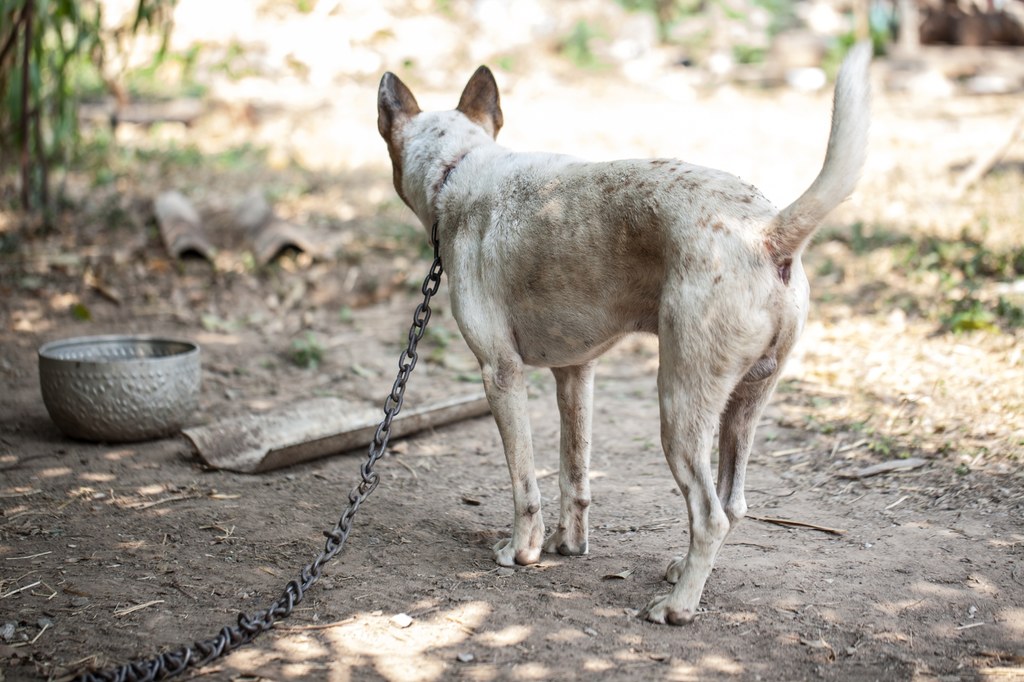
x=847 y=147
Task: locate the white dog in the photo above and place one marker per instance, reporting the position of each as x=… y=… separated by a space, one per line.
x=552 y=259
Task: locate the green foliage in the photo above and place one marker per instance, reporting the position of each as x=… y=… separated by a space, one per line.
x=81 y=312
x=746 y=54
x=973 y=282
x=667 y=13
x=306 y=352
x=968 y=315
x=782 y=12
x=49 y=50
x=576 y=46
x=881 y=36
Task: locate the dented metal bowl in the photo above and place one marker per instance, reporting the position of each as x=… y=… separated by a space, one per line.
x=119 y=388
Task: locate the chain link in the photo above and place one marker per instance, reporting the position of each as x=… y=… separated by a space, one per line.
x=231 y=637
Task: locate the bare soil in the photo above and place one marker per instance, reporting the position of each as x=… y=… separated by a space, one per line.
x=111 y=552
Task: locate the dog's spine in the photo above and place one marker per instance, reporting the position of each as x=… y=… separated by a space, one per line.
x=844 y=159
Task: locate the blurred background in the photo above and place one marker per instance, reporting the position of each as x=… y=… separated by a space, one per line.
x=211 y=170
x=215 y=166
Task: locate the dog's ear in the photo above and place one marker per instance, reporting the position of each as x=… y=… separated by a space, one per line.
x=480 y=102
x=395 y=104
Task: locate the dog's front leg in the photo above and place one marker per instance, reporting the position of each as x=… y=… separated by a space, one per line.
x=575 y=403
x=505 y=386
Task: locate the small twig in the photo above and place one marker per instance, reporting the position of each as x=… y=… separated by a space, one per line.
x=39 y=634
x=462 y=626
x=797 y=524
x=969 y=626
x=30 y=556
x=983 y=164
x=792 y=451
x=318 y=626
x=26 y=493
x=164 y=500
x=896 y=502
x=890 y=466
x=133 y=609
x=53 y=593
x=408 y=468
x=851 y=446
x=21 y=589
x=773 y=494
x=92 y=281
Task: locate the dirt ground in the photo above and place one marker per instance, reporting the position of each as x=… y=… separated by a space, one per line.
x=111 y=552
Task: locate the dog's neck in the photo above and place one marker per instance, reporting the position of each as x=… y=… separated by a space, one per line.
x=446 y=173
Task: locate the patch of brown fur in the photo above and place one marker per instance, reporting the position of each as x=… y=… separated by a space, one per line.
x=481 y=103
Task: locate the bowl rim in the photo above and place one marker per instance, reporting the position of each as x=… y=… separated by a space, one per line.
x=45 y=351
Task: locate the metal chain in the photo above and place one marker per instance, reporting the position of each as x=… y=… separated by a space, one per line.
x=230 y=637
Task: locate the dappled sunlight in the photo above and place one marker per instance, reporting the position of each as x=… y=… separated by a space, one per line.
x=713 y=666
x=252 y=658
x=303 y=647
x=566 y=636
x=1007 y=542
x=980 y=584
x=97 y=477
x=55 y=472
x=721 y=664
x=531 y=671
x=204 y=338
x=32 y=319
x=738 y=617
x=406 y=653
x=597 y=665
x=1013 y=620
x=944 y=592
x=119 y=455
x=566 y=595
x=139 y=546
x=510 y=636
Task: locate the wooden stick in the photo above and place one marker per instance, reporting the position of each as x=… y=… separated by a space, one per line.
x=797 y=524
x=983 y=164
x=20 y=589
x=969 y=626
x=133 y=609
x=40 y=633
x=317 y=626
x=29 y=556
x=163 y=500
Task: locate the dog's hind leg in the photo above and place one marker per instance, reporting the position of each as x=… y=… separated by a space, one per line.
x=575 y=403
x=692 y=397
x=505 y=386
x=735 y=438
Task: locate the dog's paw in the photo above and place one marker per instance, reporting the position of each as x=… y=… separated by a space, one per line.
x=558 y=543
x=506 y=554
x=661 y=610
x=674 y=572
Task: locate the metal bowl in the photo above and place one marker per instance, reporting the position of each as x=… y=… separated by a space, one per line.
x=119 y=388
